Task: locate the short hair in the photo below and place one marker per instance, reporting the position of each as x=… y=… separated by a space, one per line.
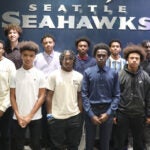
x=62 y=55
x=28 y=45
x=82 y=39
x=47 y=36
x=2 y=42
x=134 y=49
x=9 y=27
x=115 y=40
x=144 y=43
x=101 y=46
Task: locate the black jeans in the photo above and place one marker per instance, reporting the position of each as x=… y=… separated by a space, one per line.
x=66 y=132
x=18 y=135
x=135 y=124
x=5 y=127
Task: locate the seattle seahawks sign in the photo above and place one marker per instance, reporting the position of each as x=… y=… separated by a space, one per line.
x=99 y=20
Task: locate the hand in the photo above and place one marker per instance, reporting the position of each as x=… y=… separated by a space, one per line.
x=96 y=120
x=21 y=121
x=115 y=120
x=27 y=119
x=1 y=113
x=103 y=117
x=148 y=120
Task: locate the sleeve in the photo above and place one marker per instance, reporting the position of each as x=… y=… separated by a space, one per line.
x=42 y=81
x=6 y=101
x=50 y=83
x=85 y=95
x=80 y=83
x=147 y=96
x=115 y=95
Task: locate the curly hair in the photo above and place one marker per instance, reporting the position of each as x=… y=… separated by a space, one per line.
x=28 y=45
x=101 y=46
x=12 y=27
x=47 y=36
x=134 y=49
x=62 y=55
x=82 y=39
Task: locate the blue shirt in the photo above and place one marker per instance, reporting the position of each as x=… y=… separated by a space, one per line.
x=100 y=86
x=81 y=65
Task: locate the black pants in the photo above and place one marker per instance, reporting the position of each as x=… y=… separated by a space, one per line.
x=104 y=129
x=136 y=125
x=18 y=135
x=5 y=126
x=66 y=132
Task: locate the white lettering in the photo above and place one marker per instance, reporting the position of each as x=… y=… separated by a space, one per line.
x=104 y=21
x=29 y=21
x=10 y=17
x=62 y=22
x=47 y=7
x=62 y=8
x=144 y=23
x=84 y=22
x=32 y=7
x=92 y=7
x=124 y=23
x=46 y=21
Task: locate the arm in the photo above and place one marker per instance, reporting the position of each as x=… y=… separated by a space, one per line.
x=115 y=95
x=49 y=97
x=80 y=102
x=15 y=107
x=38 y=104
x=85 y=95
x=6 y=101
x=147 y=100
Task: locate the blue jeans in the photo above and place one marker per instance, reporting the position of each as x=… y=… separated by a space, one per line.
x=66 y=132
x=5 y=127
x=18 y=135
x=104 y=129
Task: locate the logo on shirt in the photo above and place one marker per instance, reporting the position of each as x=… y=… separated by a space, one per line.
x=75 y=82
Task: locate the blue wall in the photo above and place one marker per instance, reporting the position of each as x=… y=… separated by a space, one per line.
x=99 y=20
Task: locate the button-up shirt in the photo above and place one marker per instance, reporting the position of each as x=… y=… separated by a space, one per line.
x=100 y=86
x=47 y=63
x=118 y=65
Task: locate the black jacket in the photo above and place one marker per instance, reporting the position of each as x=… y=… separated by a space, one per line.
x=135 y=93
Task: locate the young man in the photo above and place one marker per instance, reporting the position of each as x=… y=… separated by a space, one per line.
x=134 y=106
x=48 y=60
x=100 y=96
x=27 y=95
x=7 y=71
x=115 y=61
x=13 y=33
x=64 y=104
x=146 y=66
x=83 y=60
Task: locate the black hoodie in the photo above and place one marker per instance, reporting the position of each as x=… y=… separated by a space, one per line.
x=135 y=93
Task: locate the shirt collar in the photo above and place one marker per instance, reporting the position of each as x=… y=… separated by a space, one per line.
x=47 y=55
x=113 y=60
x=105 y=68
x=83 y=58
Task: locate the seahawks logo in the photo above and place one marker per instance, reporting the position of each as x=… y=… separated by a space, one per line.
x=108 y=1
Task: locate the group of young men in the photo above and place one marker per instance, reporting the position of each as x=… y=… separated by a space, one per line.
x=54 y=93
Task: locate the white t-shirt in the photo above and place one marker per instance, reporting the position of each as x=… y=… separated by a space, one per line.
x=65 y=85
x=27 y=84
x=7 y=71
